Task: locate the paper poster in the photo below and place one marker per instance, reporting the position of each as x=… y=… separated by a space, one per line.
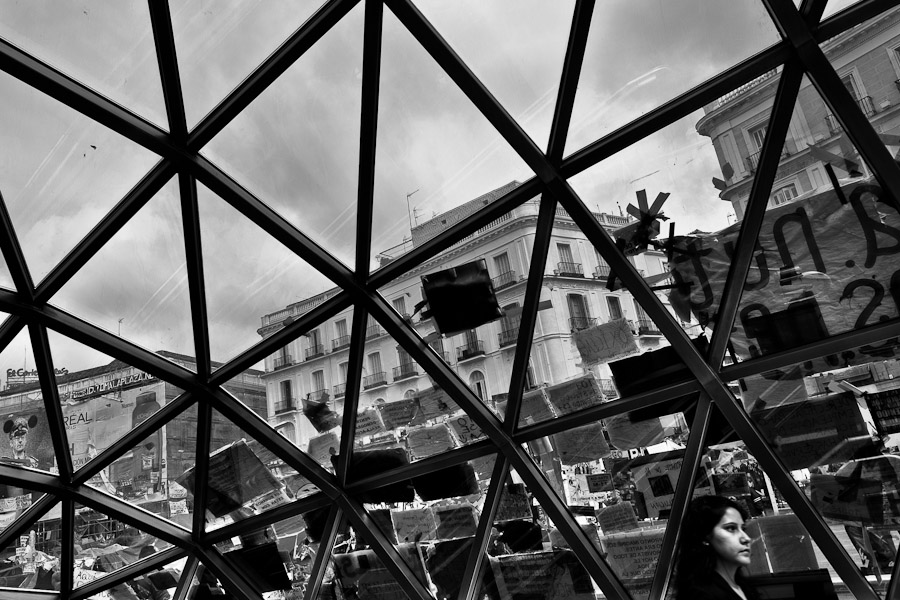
x=534 y=408
x=465 y=429
x=634 y=555
x=322 y=447
x=576 y=394
x=844 y=250
x=772 y=389
x=85 y=576
x=414 y=525
x=364 y=572
x=617 y=517
x=555 y=575
x=626 y=434
x=731 y=484
x=602 y=342
x=885 y=409
x=582 y=444
x=398 y=413
x=178 y=507
x=657 y=481
x=368 y=422
x=819 y=431
x=460 y=520
x=599 y=482
x=433 y=403
x=428 y=441
x=514 y=503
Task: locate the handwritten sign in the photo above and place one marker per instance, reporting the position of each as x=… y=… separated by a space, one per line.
x=84 y=576
x=556 y=575
x=368 y=422
x=414 y=525
x=514 y=503
x=616 y=518
x=433 y=403
x=456 y=521
x=534 y=408
x=398 y=413
x=428 y=441
x=466 y=430
x=582 y=444
x=364 y=572
x=633 y=555
x=322 y=447
x=576 y=394
x=625 y=434
x=599 y=482
x=605 y=341
x=818 y=431
x=657 y=481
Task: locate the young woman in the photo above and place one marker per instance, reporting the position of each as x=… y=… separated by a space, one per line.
x=715 y=552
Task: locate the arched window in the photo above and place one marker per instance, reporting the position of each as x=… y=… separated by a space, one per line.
x=410 y=394
x=476 y=382
x=287 y=430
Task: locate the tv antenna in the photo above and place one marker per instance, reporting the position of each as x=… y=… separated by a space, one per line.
x=408 y=211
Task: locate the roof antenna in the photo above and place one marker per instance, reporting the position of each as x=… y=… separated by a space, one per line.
x=408 y=211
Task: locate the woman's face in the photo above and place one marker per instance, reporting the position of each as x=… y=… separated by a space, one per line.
x=729 y=540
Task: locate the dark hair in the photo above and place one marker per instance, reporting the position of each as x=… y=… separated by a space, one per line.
x=696 y=560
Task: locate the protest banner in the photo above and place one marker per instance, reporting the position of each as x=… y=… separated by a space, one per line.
x=582 y=444
x=414 y=525
x=602 y=342
x=633 y=555
x=428 y=441
x=575 y=394
x=617 y=517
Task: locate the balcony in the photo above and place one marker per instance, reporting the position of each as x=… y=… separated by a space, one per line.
x=340 y=390
x=508 y=337
x=405 y=371
x=315 y=351
x=753 y=159
x=340 y=343
x=470 y=350
x=602 y=272
x=569 y=269
x=579 y=323
x=504 y=280
x=285 y=360
x=374 y=380
x=318 y=396
x=443 y=354
x=374 y=331
x=647 y=327
x=865 y=104
x=284 y=406
x=608 y=387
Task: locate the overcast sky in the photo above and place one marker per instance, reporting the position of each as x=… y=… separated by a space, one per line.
x=296 y=148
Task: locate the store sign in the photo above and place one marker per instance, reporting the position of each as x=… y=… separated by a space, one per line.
x=107 y=386
x=10 y=373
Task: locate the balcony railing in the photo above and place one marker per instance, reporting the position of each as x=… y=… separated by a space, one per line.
x=340 y=390
x=508 y=337
x=569 y=269
x=443 y=354
x=579 y=323
x=315 y=351
x=504 y=280
x=340 y=343
x=374 y=331
x=865 y=104
x=283 y=406
x=647 y=327
x=470 y=350
x=285 y=360
x=405 y=370
x=318 y=395
x=374 y=380
x=608 y=387
x=602 y=272
x=753 y=159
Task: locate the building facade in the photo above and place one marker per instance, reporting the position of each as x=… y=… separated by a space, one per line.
x=867 y=59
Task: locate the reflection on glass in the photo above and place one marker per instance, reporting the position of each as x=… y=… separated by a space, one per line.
x=31 y=560
x=437 y=165
x=668 y=52
x=104 y=545
x=151 y=310
x=317 y=100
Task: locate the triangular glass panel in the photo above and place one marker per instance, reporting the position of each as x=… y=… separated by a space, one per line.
x=237 y=252
x=55 y=157
x=33 y=555
x=825 y=255
x=245 y=477
x=440 y=165
x=524 y=72
x=103 y=402
x=149 y=475
x=835 y=6
x=104 y=545
x=108 y=48
x=219 y=46
x=6 y=279
x=610 y=94
x=158 y=584
x=152 y=310
x=308 y=183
